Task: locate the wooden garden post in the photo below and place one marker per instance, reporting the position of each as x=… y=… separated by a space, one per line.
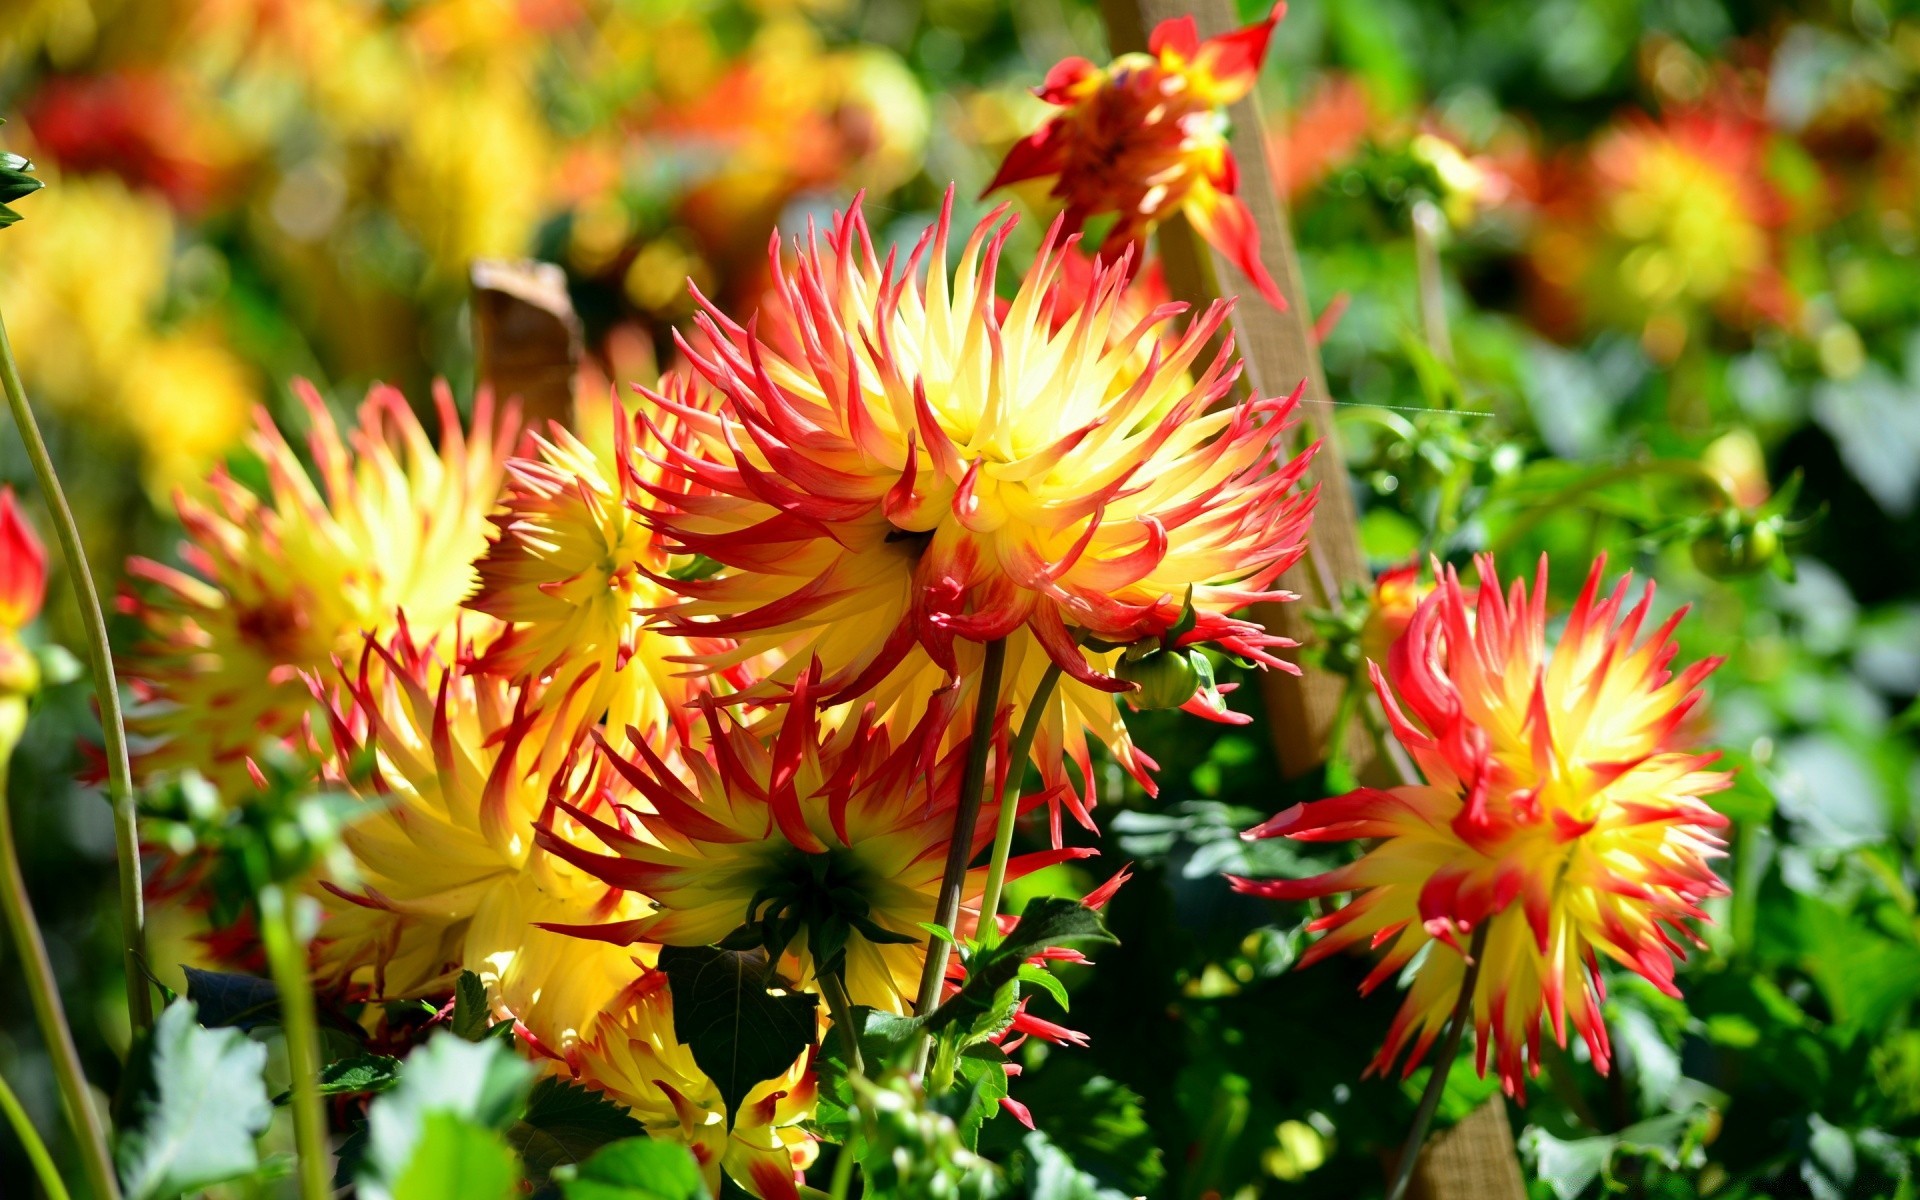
x=526 y=337
x=1474 y=1160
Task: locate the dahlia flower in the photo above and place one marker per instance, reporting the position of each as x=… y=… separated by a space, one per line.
x=568 y=569
x=278 y=585
x=447 y=875
x=1563 y=811
x=635 y=1057
x=1146 y=136
x=1672 y=220
x=836 y=835
x=893 y=473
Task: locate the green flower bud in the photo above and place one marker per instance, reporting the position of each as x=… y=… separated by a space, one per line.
x=1737 y=544
x=1166 y=678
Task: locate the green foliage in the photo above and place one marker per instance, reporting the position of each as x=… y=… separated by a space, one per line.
x=635 y=1169
x=454 y=1159
x=16 y=180
x=191 y=1106
x=741 y=1032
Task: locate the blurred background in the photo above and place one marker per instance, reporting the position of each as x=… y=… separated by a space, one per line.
x=1674 y=231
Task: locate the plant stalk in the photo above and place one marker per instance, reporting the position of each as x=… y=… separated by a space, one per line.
x=834 y=989
x=88 y=1129
x=1010 y=797
x=106 y=690
x=1437 y=1081
x=1428 y=222
x=30 y=1140
x=946 y=910
x=286 y=957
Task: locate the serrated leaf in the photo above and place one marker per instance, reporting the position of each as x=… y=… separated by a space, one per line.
x=984 y=1068
x=240 y=1001
x=740 y=1033
x=192 y=1104
x=481 y=1083
x=355 y=1075
x=472 y=1015
x=455 y=1159
x=566 y=1123
x=635 y=1169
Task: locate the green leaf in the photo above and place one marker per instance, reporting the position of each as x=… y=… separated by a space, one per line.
x=481 y=1083
x=192 y=1104
x=1046 y=981
x=1571 y=1168
x=1055 y=1177
x=635 y=1169
x=984 y=1068
x=472 y=1015
x=355 y=1075
x=454 y=1159
x=240 y=1001
x=741 y=1034
x=565 y=1123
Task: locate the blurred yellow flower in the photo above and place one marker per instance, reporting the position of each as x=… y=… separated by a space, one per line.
x=469 y=177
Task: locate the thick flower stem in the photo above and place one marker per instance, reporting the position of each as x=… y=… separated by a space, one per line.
x=30 y=1141
x=1437 y=1081
x=286 y=957
x=1010 y=797
x=88 y=1129
x=946 y=910
x=834 y=988
x=106 y=690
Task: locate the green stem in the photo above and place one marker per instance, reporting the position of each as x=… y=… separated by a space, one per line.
x=1684 y=468
x=30 y=1140
x=843 y=1171
x=106 y=690
x=834 y=989
x=286 y=957
x=88 y=1129
x=1427 y=224
x=946 y=909
x=1437 y=1080
x=1010 y=797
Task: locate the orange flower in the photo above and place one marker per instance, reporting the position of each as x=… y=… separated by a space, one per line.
x=1396 y=596
x=280 y=584
x=1146 y=137
x=894 y=473
x=1563 y=811
x=830 y=842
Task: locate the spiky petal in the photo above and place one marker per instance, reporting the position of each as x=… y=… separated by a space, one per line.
x=1564 y=809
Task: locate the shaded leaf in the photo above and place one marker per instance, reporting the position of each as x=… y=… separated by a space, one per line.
x=1046 y=921
x=472 y=1015
x=354 y=1075
x=741 y=1034
x=565 y=1123
x=240 y=1001
x=192 y=1104
x=635 y=1169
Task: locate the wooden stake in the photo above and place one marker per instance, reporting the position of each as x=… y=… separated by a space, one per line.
x=526 y=337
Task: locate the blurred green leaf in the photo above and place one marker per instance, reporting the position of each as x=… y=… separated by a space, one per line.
x=455 y=1159
x=481 y=1084
x=192 y=1104
x=635 y=1169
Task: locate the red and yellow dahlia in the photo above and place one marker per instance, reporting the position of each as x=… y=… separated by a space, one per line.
x=824 y=834
x=634 y=1055
x=1146 y=137
x=447 y=877
x=570 y=569
x=893 y=473
x=280 y=584
x=1563 y=811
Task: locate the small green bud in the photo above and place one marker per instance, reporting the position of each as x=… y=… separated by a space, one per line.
x=1737 y=544
x=1165 y=678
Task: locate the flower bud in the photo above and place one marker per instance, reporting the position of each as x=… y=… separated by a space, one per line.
x=1165 y=678
x=1737 y=544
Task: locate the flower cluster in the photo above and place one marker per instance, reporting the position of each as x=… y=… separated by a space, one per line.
x=1562 y=819
x=747 y=665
